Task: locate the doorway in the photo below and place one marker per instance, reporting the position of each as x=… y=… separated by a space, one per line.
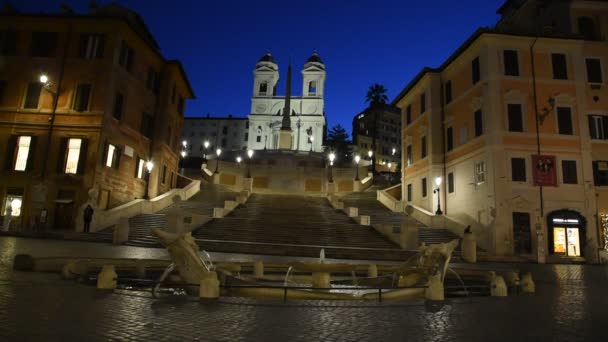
x=63 y=215
x=566 y=233
x=522 y=236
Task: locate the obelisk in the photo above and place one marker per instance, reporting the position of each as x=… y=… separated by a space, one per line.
x=285 y=134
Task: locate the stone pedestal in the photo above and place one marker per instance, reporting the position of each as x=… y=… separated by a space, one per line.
x=372 y=271
x=331 y=187
x=434 y=291
x=285 y=139
x=357 y=186
x=321 y=280
x=248 y=184
x=469 y=248
x=210 y=287
x=408 y=236
x=107 y=278
x=258 y=269
x=216 y=177
x=120 y=234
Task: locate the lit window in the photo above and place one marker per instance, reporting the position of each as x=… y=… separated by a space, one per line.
x=71 y=166
x=110 y=155
x=480 y=172
x=140 y=169
x=23 y=150
x=15 y=202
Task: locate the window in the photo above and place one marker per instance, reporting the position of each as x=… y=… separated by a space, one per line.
x=32 y=96
x=153 y=80
x=409 y=192
x=44 y=44
x=424 y=189
x=125 y=58
x=81 y=98
x=23 y=150
x=118 y=104
x=91 y=45
x=451 y=182
x=247 y=136
x=223 y=142
x=600 y=173
x=408 y=115
x=147 y=122
x=8 y=43
x=74 y=155
x=164 y=178
x=598 y=126
x=258 y=138
x=449 y=138
x=475 y=70
x=511 y=63
x=594 y=70
x=422 y=103
x=263 y=88
x=423 y=147
x=569 y=172
x=14 y=197
x=225 y=130
x=564 y=121
x=518 y=169
x=463 y=135
x=408 y=153
x=586 y=28
x=312 y=88
x=560 y=68
x=110 y=154
x=480 y=172
x=180 y=105
x=139 y=169
x=515 y=116
x=448 y=92
x=478 y=123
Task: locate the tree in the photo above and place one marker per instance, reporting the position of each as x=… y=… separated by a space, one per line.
x=337 y=141
x=376 y=97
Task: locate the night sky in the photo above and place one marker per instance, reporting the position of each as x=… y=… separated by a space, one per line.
x=360 y=41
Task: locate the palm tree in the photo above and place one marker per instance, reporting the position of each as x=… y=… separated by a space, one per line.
x=376 y=97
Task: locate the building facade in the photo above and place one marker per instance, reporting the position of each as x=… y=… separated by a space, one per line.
x=228 y=133
x=107 y=103
x=307 y=111
x=514 y=123
x=388 y=136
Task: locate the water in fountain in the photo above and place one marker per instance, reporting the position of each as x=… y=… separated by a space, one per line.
x=322 y=255
x=466 y=292
x=287 y=275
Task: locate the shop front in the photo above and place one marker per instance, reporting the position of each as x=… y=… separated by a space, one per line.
x=566 y=233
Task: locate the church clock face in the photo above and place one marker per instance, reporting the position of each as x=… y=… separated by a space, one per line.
x=260 y=108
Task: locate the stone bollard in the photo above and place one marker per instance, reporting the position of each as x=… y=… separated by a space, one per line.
x=73 y=269
x=352 y=211
x=106 y=279
x=140 y=269
x=527 y=283
x=120 y=234
x=209 y=287
x=434 y=291
x=469 y=248
x=218 y=212
x=372 y=271
x=408 y=236
x=175 y=223
x=364 y=220
x=321 y=280
x=498 y=287
x=258 y=269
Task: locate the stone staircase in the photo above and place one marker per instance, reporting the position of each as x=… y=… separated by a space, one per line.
x=294 y=226
x=379 y=214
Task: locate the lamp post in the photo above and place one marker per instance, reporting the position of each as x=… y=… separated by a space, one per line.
x=312 y=139
x=149 y=167
x=47 y=85
x=183 y=153
x=217 y=161
x=206 y=146
x=332 y=157
x=370 y=153
x=438 y=191
x=250 y=155
x=238 y=160
x=357 y=160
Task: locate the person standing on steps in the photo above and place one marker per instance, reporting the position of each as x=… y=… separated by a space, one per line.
x=88 y=216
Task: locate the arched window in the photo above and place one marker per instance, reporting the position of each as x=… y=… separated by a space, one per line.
x=263 y=88
x=312 y=88
x=586 y=27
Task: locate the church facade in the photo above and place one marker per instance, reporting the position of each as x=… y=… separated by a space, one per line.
x=307 y=117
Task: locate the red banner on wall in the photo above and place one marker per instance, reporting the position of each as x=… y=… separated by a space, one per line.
x=544 y=170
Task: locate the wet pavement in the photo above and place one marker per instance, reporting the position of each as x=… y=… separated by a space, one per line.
x=571 y=304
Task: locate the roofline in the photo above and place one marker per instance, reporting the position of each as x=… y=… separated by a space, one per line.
x=184 y=75
x=478 y=33
x=214 y=118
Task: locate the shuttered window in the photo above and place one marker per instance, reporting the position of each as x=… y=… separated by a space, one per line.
x=82 y=97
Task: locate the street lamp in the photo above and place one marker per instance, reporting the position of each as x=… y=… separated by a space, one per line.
x=250 y=155
x=312 y=139
x=389 y=166
x=357 y=160
x=370 y=153
x=438 y=191
x=44 y=79
x=332 y=157
x=238 y=160
x=217 y=161
x=394 y=151
x=149 y=167
x=185 y=143
x=206 y=146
